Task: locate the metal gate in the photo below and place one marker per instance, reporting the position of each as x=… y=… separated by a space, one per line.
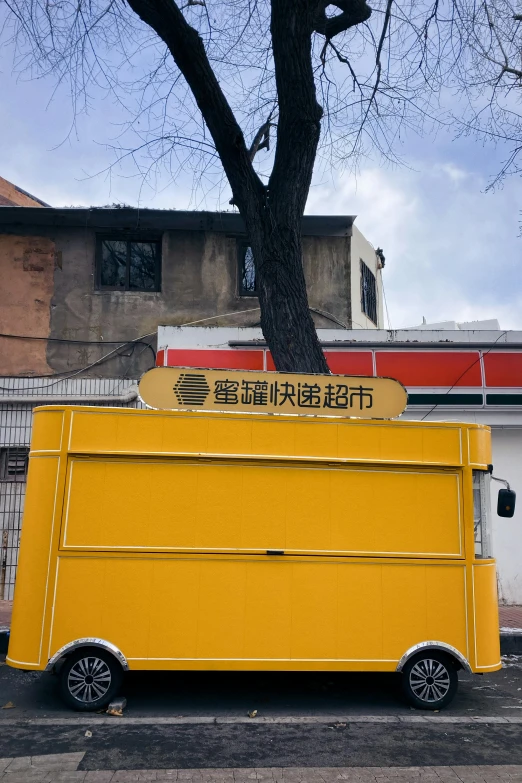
x=16 y=420
x=15 y=436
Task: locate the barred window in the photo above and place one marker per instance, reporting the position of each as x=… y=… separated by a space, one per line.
x=247 y=270
x=128 y=264
x=368 y=293
x=13 y=463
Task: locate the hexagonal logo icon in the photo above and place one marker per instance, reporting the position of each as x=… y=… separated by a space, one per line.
x=191 y=388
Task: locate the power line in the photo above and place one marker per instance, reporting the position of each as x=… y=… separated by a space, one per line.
x=61 y=376
x=473 y=363
x=386 y=305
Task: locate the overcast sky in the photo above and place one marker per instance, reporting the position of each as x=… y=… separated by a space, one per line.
x=452 y=250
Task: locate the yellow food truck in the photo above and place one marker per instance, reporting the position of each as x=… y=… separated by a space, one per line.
x=254 y=542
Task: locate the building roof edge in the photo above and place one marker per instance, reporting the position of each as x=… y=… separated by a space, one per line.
x=134 y=219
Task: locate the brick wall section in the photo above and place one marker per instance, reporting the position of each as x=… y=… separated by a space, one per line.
x=26 y=270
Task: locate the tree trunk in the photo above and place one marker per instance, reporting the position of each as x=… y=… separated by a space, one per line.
x=285 y=317
x=272 y=213
x=276 y=239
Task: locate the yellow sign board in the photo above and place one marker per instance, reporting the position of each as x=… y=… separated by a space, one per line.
x=183 y=388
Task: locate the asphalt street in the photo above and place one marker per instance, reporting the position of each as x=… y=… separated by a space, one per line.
x=201 y=720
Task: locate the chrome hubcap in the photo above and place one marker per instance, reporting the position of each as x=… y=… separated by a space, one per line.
x=89 y=679
x=429 y=680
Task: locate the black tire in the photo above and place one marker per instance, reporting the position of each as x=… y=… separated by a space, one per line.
x=89 y=679
x=430 y=680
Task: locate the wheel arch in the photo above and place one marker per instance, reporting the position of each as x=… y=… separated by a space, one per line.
x=434 y=645
x=103 y=644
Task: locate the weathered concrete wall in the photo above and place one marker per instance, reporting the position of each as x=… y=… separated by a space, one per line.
x=326 y=262
x=26 y=269
x=507 y=533
x=200 y=274
x=199 y=281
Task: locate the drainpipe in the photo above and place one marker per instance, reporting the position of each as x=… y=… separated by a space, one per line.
x=129 y=395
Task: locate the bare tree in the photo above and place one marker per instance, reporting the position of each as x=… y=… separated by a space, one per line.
x=204 y=75
x=488 y=75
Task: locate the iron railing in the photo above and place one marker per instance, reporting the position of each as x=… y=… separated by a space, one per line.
x=18 y=398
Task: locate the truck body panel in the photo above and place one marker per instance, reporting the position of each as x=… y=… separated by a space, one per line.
x=229 y=541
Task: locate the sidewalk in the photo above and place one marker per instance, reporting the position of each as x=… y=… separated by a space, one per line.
x=510 y=617
x=63 y=768
x=6 y=607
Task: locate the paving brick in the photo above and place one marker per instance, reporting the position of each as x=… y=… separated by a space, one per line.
x=30 y=775
x=27 y=776
x=510 y=616
x=22 y=772
x=58 y=761
x=6 y=608
x=19 y=764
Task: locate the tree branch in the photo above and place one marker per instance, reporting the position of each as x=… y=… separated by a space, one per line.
x=345 y=61
x=261 y=139
x=353 y=12
x=384 y=31
x=191 y=2
x=299 y=123
x=188 y=51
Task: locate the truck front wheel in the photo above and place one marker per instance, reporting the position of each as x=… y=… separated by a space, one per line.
x=89 y=679
x=430 y=680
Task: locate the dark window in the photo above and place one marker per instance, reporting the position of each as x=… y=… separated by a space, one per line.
x=13 y=463
x=128 y=264
x=247 y=271
x=368 y=293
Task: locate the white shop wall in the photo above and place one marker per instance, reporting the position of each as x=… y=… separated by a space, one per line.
x=507 y=533
x=362 y=249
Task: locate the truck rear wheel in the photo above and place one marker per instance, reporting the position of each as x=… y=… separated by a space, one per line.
x=430 y=680
x=89 y=679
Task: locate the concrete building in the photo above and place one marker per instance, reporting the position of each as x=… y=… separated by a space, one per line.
x=84 y=290
x=92 y=279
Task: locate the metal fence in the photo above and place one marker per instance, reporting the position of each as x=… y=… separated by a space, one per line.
x=15 y=436
x=18 y=398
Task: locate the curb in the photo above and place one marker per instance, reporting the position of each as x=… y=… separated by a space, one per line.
x=92 y=720
x=510 y=643
x=4 y=640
